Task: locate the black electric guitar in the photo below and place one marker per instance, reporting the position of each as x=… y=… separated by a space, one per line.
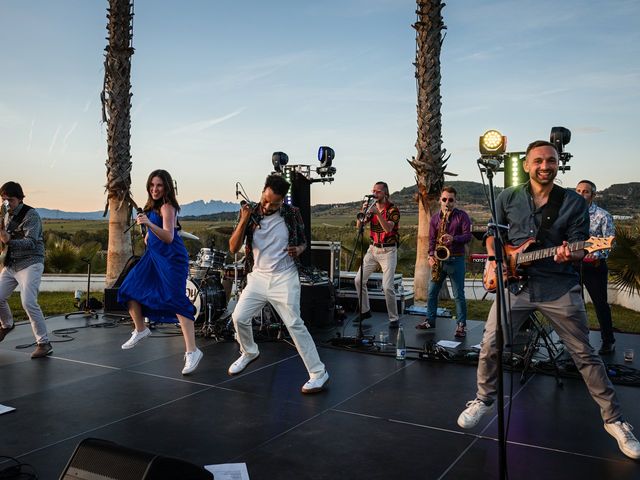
x=516 y=256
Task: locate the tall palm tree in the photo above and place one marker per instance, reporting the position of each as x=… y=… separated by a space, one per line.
x=624 y=259
x=431 y=159
x=116 y=111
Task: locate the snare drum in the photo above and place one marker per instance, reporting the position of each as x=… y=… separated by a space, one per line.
x=210 y=258
x=205 y=294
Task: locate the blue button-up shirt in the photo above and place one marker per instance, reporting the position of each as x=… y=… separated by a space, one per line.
x=546 y=279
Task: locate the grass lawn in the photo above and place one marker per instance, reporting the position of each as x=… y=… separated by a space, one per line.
x=58 y=303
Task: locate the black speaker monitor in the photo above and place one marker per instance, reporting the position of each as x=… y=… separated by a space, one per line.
x=96 y=459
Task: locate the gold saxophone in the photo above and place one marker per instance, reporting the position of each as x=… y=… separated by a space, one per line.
x=441 y=252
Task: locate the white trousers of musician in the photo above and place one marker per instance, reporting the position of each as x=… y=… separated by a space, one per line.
x=568 y=316
x=282 y=291
x=28 y=279
x=387 y=258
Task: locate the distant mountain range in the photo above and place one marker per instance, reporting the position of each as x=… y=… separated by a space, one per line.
x=193 y=209
x=618 y=199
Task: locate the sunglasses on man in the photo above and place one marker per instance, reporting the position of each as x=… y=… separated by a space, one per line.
x=446 y=200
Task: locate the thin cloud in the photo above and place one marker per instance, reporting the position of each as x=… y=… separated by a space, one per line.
x=30 y=137
x=66 y=137
x=197 y=127
x=588 y=130
x=54 y=139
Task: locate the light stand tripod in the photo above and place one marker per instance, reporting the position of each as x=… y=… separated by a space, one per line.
x=490 y=166
x=87 y=312
x=537 y=333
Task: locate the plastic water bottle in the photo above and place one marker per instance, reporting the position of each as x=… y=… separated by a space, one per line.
x=401 y=349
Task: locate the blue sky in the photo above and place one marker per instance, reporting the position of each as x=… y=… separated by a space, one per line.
x=219 y=85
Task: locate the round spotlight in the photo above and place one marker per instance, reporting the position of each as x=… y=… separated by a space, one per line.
x=493 y=143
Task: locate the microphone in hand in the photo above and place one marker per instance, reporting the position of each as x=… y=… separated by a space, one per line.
x=143 y=228
x=254 y=217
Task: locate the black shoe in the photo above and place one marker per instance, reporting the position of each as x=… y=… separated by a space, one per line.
x=5 y=331
x=363 y=316
x=607 y=348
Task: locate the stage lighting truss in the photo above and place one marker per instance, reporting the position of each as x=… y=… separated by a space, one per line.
x=326 y=170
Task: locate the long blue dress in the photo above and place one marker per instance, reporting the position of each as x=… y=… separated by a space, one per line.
x=159 y=280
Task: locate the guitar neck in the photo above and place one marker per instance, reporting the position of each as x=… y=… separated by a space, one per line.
x=527 y=257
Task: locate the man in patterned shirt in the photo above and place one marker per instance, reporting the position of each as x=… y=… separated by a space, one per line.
x=273 y=233
x=21 y=236
x=593 y=268
x=384 y=218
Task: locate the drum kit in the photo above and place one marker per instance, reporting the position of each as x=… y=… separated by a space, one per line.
x=207 y=294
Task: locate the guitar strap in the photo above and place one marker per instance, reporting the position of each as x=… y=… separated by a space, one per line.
x=550 y=212
x=14 y=223
x=17 y=220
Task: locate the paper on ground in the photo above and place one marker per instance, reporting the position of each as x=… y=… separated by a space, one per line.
x=229 y=471
x=5 y=409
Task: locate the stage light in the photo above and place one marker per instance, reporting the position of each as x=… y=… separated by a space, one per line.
x=514 y=173
x=279 y=160
x=325 y=157
x=560 y=136
x=288 y=198
x=493 y=143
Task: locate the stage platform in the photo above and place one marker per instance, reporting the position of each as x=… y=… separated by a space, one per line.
x=379 y=418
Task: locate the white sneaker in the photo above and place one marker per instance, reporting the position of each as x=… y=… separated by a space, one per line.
x=240 y=364
x=191 y=361
x=470 y=417
x=136 y=336
x=316 y=384
x=627 y=442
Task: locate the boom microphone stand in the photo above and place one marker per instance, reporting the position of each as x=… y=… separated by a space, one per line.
x=490 y=166
x=87 y=312
x=359 y=339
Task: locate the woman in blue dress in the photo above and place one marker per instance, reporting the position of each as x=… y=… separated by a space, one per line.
x=156 y=286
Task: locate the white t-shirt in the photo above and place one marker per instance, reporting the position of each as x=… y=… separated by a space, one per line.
x=270 y=243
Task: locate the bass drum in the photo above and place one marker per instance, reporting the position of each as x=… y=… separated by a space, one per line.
x=208 y=298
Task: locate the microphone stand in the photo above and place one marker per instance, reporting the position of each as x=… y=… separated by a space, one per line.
x=494 y=228
x=359 y=340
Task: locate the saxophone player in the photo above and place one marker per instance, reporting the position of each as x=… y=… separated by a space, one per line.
x=449 y=232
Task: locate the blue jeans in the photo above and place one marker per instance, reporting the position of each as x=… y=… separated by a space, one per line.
x=454 y=269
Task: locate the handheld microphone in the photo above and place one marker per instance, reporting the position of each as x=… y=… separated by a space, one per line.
x=369 y=196
x=143 y=228
x=254 y=218
x=237 y=191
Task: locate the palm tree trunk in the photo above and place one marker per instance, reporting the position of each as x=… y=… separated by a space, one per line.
x=116 y=111
x=431 y=159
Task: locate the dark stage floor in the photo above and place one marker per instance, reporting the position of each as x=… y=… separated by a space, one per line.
x=378 y=419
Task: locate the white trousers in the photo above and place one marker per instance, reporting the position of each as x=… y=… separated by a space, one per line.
x=282 y=291
x=28 y=279
x=387 y=258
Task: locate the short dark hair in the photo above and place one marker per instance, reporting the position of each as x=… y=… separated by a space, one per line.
x=277 y=183
x=12 y=189
x=593 y=185
x=385 y=186
x=540 y=143
x=449 y=189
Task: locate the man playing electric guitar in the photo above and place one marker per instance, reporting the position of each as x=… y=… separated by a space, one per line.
x=555 y=217
x=21 y=234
